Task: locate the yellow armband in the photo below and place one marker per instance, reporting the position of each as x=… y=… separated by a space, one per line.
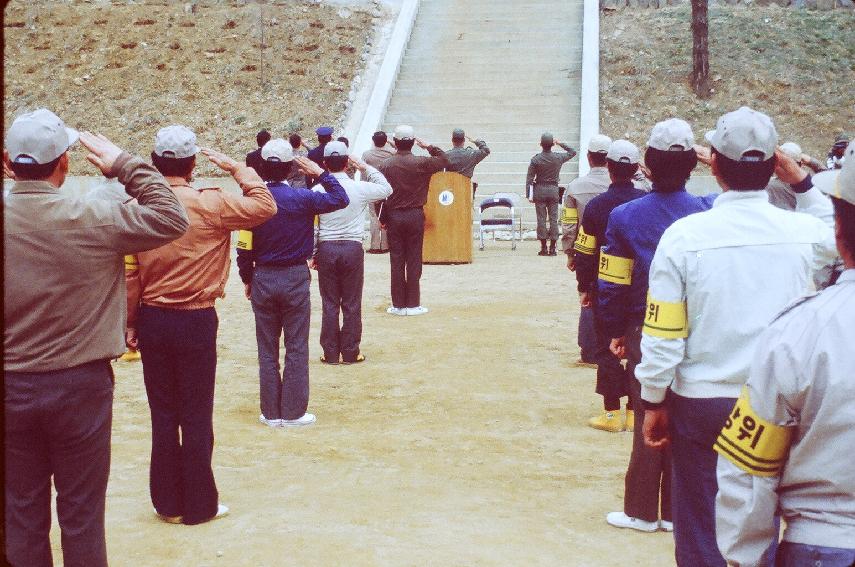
x=244 y=240
x=665 y=319
x=585 y=243
x=131 y=263
x=751 y=443
x=569 y=215
x=616 y=269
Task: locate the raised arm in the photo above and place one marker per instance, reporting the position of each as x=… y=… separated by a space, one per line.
x=255 y=204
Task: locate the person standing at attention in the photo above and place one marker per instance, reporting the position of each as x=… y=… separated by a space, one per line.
x=374 y=157
x=542 y=189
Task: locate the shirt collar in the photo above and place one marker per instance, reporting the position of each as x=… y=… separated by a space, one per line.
x=759 y=196
x=847 y=275
x=33 y=187
x=341 y=175
x=656 y=190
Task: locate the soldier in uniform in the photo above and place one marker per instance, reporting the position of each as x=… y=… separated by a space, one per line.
x=779 y=451
x=374 y=157
x=622 y=163
x=579 y=193
x=462 y=159
x=633 y=231
x=542 y=189
x=728 y=271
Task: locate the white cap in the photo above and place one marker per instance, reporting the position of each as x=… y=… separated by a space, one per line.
x=672 y=135
x=404 y=132
x=792 y=150
x=335 y=148
x=839 y=183
x=742 y=131
x=176 y=142
x=599 y=144
x=277 y=149
x=38 y=137
x=623 y=151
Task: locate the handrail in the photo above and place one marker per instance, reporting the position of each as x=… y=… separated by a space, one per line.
x=589 y=120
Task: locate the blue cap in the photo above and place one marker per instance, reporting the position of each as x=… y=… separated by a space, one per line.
x=324 y=131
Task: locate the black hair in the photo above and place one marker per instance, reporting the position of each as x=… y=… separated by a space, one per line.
x=323 y=139
x=745 y=175
x=546 y=147
x=173 y=167
x=262 y=138
x=844 y=213
x=670 y=170
x=344 y=141
x=295 y=140
x=335 y=163
x=379 y=139
x=275 y=171
x=597 y=159
x=621 y=172
x=34 y=171
x=404 y=145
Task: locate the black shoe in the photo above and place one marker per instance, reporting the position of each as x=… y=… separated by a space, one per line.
x=543 y=253
x=552 y=252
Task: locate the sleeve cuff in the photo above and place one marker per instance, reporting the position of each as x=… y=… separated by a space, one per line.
x=653 y=397
x=803 y=186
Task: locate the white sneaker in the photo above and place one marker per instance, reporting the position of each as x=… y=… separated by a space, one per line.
x=305 y=419
x=666 y=526
x=222 y=510
x=621 y=520
x=417 y=310
x=269 y=422
x=396 y=311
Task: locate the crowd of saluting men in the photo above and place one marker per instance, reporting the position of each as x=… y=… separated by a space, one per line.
x=740 y=386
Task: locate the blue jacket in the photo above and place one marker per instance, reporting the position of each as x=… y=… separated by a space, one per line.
x=287 y=238
x=633 y=232
x=317 y=156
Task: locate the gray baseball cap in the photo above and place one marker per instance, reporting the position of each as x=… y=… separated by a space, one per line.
x=672 y=135
x=38 y=137
x=335 y=148
x=458 y=134
x=176 y=142
x=278 y=150
x=742 y=131
x=404 y=132
x=839 y=183
x=623 y=151
x=547 y=138
x=599 y=144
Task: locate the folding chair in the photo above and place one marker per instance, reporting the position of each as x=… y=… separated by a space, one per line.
x=501 y=203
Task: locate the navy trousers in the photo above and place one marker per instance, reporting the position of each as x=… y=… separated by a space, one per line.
x=341 y=271
x=179 y=357
x=57 y=425
x=802 y=555
x=406 y=228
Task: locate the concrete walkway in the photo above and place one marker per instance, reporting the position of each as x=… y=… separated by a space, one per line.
x=504 y=71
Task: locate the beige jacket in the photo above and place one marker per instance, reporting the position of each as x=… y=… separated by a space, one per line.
x=191 y=272
x=64 y=294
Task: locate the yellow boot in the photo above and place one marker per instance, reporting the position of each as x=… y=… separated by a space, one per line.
x=130 y=356
x=607 y=421
x=630 y=420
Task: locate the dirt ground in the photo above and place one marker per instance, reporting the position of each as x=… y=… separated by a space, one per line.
x=798 y=66
x=460 y=441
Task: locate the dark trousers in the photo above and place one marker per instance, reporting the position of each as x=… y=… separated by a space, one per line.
x=341 y=270
x=406 y=228
x=179 y=357
x=587 y=334
x=648 y=476
x=695 y=425
x=281 y=304
x=57 y=424
x=612 y=378
x=801 y=555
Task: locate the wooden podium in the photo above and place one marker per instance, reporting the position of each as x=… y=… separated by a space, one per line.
x=448 y=220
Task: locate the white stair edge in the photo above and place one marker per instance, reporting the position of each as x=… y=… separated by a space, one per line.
x=589 y=121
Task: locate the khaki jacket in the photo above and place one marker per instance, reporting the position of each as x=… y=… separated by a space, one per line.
x=191 y=272
x=64 y=294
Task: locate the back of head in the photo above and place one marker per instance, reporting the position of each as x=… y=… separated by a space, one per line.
x=743 y=144
x=36 y=142
x=598 y=147
x=458 y=137
x=670 y=155
x=404 y=137
x=546 y=141
x=344 y=141
x=295 y=140
x=262 y=138
x=324 y=134
x=839 y=184
x=175 y=151
x=278 y=157
x=622 y=161
x=379 y=139
x=335 y=156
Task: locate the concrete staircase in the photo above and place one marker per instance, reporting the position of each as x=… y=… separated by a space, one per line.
x=504 y=71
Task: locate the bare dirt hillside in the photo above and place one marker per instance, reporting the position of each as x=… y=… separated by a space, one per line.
x=127 y=69
x=798 y=66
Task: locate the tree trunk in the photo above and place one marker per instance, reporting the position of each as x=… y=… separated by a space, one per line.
x=700 y=49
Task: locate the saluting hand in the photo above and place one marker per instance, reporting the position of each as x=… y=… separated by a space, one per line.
x=102 y=152
x=7 y=171
x=787 y=169
x=308 y=167
x=422 y=144
x=356 y=163
x=704 y=154
x=221 y=160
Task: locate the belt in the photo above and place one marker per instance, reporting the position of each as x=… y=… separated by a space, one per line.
x=288 y=264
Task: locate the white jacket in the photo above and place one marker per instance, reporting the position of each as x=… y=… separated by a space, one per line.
x=349 y=223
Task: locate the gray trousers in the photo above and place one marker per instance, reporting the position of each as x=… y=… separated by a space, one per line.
x=280 y=301
x=58 y=424
x=547 y=208
x=341 y=271
x=379 y=240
